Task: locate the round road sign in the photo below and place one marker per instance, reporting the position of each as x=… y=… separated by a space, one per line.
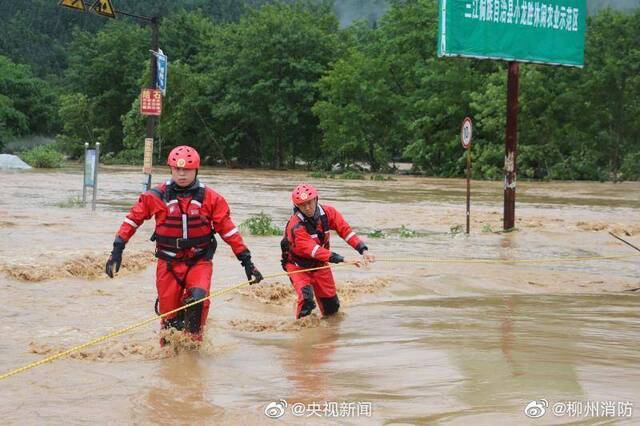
x=466 y=133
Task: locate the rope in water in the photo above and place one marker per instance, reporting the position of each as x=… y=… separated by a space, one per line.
x=503 y=261
x=143 y=322
x=246 y=283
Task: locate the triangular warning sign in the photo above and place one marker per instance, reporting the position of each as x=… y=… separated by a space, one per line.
x=104 y=8
x=73 y=4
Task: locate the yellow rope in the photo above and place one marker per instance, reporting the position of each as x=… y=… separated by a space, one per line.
x=144 y=322
x=502 y=261
x=245 y=283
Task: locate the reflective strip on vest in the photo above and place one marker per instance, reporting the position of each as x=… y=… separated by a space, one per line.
x=184 y=226
x=168 y=253
x=197 y=203
x=314 y=251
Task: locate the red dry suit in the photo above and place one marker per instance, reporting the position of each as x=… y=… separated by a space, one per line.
x=306 y=245
x=186 y=221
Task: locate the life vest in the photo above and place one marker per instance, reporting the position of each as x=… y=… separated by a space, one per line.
x=183 y=235
x=310 y=226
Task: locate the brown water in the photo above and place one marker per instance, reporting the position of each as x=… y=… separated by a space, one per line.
x=422 y=343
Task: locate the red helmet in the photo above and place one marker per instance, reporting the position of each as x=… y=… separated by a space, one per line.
x=185 y=157
x=303 y=192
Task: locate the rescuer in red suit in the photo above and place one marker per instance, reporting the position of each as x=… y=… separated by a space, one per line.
x=188 y=214
x=306 y=245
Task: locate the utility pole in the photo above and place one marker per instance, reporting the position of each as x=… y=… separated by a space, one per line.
x=151 y=120
x=105 y=8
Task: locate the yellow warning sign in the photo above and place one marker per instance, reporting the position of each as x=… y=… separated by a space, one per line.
x=73 y=4
x=104 y=8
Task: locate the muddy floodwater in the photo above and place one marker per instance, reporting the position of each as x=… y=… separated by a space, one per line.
x=425 y=335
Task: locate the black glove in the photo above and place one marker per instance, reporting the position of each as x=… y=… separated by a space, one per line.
x=115 y=259
x=362 y=247
x=249 y=268
x=335 y=258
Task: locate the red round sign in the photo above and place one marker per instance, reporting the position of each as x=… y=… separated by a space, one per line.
x=466 y=133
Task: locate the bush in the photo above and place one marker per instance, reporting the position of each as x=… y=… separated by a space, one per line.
x=322 y=175
x=407 y=233
x=376 y=233
x=43 y=157
x=71 y=202
x=261 y=225
x=379 y=177
x=630 y=169
x=349 y=174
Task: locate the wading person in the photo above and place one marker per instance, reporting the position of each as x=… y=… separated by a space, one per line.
x=306 y=245
x=187 y=214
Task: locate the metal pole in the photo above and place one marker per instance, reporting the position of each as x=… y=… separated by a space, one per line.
x=511 y=143
x=84 y=175
x=151 y=120
x=468 y=188
x=95 y=176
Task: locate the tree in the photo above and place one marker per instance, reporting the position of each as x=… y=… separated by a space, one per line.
x=107 y=68
x=27 y=103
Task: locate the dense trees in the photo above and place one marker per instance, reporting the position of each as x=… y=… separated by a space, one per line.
x=266 y=84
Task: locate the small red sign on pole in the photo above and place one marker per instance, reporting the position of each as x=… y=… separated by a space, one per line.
x=150 y=102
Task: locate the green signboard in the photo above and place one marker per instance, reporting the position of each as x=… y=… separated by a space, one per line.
x=550 y=31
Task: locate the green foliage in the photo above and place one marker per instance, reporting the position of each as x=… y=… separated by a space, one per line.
x=377 y=233
x=351 y=175
x=261 y=225
x=76 y=115
x=43 y=157
x=105 y=72
x=630 y=169
x=317 y=174
x=379 y=177
x=70 y=203
x=266 y=83
x=486 y=228
x=407 y=233
x=27 y=103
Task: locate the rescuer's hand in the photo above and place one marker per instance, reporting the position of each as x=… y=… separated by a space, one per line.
x=114 y=261
x=250 y=269
x=368 y=258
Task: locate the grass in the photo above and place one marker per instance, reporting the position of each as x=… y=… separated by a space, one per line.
x=318 y=174
x=407 y=233
x=380 y=178
x=69 y=203
x=352 y=175
x=376 y=233
x=260 y=225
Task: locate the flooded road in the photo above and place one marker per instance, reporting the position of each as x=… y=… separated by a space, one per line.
x=420 y=340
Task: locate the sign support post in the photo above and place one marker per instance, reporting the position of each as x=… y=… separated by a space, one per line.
x=84 y=177
x=95 y=177
x=466 y=135
x=90 y=176
x=511 y=146
x=551 y=32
